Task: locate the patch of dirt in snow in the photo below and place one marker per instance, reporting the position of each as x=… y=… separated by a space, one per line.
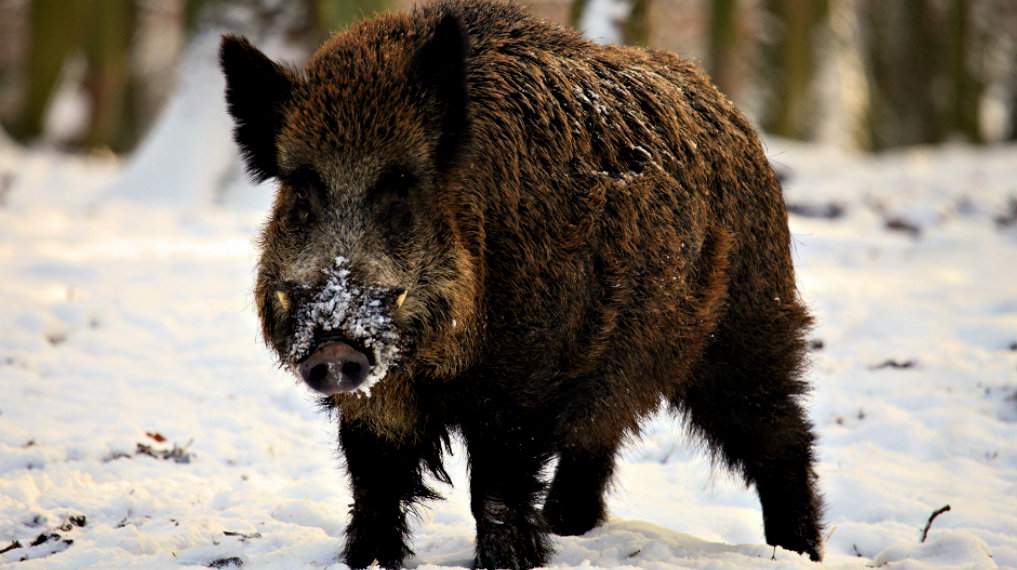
x=129 y=325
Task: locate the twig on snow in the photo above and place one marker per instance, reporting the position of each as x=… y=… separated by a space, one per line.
x=932 y=517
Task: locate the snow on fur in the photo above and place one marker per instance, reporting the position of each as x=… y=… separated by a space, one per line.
x=355 y=312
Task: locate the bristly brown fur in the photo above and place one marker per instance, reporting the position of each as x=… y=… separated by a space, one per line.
x=590 y=230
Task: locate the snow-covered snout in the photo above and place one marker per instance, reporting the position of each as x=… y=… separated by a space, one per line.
x=342 y=337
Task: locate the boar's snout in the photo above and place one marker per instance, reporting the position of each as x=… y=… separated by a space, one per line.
x=335 y=368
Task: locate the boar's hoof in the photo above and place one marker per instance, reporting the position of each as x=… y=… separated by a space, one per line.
x=573 y=519
x=513 y=545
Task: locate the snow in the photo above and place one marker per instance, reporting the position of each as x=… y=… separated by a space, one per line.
x=191 y=144
x=137 y=392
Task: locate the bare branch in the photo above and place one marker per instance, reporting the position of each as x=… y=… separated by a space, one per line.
x=932 y=517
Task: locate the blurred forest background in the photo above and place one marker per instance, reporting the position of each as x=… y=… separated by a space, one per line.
x=93 y=75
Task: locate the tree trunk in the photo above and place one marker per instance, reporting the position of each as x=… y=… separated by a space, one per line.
x=54 y=33
x=903 y=56
x=113 y=122
x=576 y=10
x=637 y=26
x=790 y=66
x=723 y=42
x=964 y=66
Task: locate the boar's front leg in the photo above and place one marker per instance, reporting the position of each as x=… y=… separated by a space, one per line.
x=505 y=483
x=387 y=478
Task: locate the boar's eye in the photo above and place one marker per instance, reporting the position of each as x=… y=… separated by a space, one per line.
x=394 y=182
x=390 y=198
x=308 y=194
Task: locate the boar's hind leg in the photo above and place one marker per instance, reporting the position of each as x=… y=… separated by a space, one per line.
x=575 y=503
x=505 y=484
x=387 y=478
x=743 y=400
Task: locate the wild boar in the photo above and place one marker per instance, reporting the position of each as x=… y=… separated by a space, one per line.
x=487 y=225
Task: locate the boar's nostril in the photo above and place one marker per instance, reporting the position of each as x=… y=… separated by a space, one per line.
x=354 y=368
x=351 y=369
x=317 y=377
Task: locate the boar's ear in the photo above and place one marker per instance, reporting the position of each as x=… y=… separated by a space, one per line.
x=257 y=89
x=439 y=66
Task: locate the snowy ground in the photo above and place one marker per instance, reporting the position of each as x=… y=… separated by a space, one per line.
x=136 y=392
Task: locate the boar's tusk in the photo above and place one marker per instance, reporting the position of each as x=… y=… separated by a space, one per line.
x=400 y=299
x=284 y=301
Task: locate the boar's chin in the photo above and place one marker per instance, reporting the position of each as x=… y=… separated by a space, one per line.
x=357 y=315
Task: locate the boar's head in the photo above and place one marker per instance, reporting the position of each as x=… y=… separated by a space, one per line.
x=363 y=271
